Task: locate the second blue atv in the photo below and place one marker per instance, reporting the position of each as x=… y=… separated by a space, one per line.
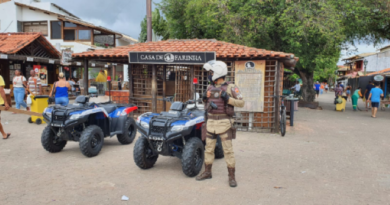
x=174 y=133
x=87 y=123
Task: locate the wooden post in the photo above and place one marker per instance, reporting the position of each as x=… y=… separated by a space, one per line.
x=85 y=76
x=154 y=89
x=192 y=75
x=164 y=87
x=130 y=74
x=277 y=94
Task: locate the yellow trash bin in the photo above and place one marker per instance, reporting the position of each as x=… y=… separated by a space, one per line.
x=39 y=103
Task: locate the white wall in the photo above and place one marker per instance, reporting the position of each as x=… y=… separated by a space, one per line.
x=378 y=62
x=8 y=22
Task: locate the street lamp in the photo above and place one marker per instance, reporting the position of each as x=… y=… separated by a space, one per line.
x=365 y=66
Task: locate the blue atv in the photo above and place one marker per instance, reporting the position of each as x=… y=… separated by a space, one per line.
x=174 y=133
x=87 y=123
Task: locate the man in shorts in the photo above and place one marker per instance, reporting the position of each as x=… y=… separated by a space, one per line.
x=3 y=102
x=317 y=88
x=375 y=97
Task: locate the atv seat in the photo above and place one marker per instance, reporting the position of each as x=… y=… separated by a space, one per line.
x=109 y=108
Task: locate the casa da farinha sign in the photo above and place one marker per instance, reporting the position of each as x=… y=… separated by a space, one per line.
x=171 y=57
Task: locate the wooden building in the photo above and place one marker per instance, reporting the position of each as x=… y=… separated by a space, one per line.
x=27 y=51
x=158 y=70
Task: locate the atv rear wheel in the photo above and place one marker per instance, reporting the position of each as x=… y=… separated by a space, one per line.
x=91 y=141
x=129 y=132
x=218 y=149
x=192 y=157
x=49 y=141
x=143 y=154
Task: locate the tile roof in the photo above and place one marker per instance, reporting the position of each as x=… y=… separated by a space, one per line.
x=222 y=49
x=387 y=70
x=11 y=43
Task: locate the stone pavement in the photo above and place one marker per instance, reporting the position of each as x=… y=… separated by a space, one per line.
x=328 y=157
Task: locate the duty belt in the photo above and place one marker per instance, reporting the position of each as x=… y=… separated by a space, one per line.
x=218 y=117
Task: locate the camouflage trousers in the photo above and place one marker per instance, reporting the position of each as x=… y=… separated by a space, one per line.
x=227 y=145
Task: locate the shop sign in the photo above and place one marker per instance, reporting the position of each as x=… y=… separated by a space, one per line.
x=379 y=78
x=78 y=63
x=171 y=57
x=30 y=59
x=93 y=64
x=51 y=61
x=3 y=56
x=66 y=57
x=250 y=78
x=106 y=66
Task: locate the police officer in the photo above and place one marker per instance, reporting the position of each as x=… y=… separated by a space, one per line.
x=221 y=98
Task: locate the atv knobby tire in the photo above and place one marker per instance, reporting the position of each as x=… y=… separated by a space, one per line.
x=192 y=157
x=218 y=149
x=143 y=154
x=91 y=141
x=129 y=132
x=49 y=142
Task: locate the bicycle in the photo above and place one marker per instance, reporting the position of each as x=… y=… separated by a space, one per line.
x=283 y=117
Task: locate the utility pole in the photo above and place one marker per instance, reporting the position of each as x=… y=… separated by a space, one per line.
x=149 y=19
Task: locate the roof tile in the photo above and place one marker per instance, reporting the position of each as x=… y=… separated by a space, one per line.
x=222 y=49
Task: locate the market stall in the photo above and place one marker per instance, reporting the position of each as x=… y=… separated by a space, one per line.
x=165 y=69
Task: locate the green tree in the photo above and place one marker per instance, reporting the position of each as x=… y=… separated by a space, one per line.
x=312 y=30
x=159 y=26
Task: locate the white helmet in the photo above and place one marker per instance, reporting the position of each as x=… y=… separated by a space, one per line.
x=218 y=67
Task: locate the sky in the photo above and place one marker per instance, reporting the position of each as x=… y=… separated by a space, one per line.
x=125 y=16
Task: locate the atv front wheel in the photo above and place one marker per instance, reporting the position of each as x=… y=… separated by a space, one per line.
x=192 y=157
x=143 y=154
x=49 y=141
x=129 y=132
x=91 y=141
x=218 y=149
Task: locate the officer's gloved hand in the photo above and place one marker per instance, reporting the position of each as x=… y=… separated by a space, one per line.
x=225 y=96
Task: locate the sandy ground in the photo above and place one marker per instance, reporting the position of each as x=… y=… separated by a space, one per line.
x=328 y=157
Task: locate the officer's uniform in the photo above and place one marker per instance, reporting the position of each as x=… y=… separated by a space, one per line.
x=220 y=123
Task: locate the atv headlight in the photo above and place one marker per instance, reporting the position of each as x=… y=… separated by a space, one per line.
x=75 y=116
x=177 y=128
x=47 y=111
x=145 y=125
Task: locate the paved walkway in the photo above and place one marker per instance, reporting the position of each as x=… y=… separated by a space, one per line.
x=327 y=158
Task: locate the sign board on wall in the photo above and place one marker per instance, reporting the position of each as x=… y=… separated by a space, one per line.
x=250 y=77
x=379 y=78
x=186 y=58
x=3 y=56
x=66 y=57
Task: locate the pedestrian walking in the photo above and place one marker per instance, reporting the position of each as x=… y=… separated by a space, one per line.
x=322 y=88
x=34 y=84
x=367 y=93
x=60 y=90
x=3 y=102
x=375 y=97
x=348 y=92
x=19 y=84
x=317 y=88
x=297 y=88
x=326 y=87
x=355 y=98
x=220 y=122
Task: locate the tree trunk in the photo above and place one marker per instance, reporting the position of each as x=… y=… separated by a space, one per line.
x=308 y=93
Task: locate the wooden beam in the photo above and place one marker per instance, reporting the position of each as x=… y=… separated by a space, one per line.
x=85 y=78
x=277 y=94
x=2 y=108
x=130 y=74
x=154 y=89
x=164 y=87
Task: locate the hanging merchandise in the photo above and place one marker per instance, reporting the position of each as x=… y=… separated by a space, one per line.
x=36 y=69
x=43 y=75
x=102 y=77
